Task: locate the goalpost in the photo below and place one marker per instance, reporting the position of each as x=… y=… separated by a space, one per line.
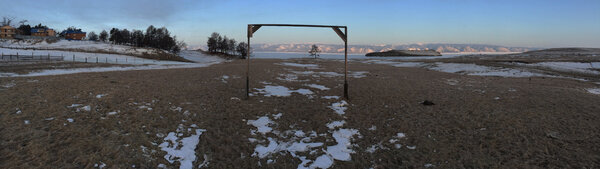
x=344 y=35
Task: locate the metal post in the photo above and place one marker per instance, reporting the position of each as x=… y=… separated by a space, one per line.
x=346 y=64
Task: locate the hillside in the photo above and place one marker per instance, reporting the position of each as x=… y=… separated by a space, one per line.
x=90 y=47
x=405 y=53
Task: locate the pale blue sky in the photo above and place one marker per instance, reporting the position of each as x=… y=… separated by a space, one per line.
x=526 y=23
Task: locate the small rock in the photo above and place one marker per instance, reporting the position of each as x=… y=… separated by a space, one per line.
x=427 y=103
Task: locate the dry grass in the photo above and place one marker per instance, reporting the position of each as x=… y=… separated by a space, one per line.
x=467 y=128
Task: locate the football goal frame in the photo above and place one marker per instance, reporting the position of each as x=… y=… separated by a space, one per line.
x=252 y=28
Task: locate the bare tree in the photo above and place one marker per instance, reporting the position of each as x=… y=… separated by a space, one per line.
x=314 y=51
x=212 y=42
x=22 y=22
x=6 y=21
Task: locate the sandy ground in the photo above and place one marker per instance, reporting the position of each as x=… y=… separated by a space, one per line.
x=476 y=122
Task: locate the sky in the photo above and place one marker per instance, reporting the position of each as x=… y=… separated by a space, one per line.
x=514 y=23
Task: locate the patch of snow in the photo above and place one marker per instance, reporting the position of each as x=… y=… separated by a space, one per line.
x=411 y=147
x=372 y=149
x=342 y=150
x=339 y=107
x=281 y=91
x=199 y=57
x=428 y=165
x=288 y=77
x=224 y=78
x=261 y=124
x=452 y=82
x=100 y=166
x=100 y=95
x=358 y=74
x=373 y=128
x=174 y=108
x=181 y=149
x=334 y=124
x=398 y=146
x=323 y=161
x=331 y=97
x=74 y=105
x=112 y=113
x=50 y=118
x=145 y=107
x=277 y=116
x=299 y=133
x=316 y=86
x=86 y=108
x=70 y=120
x=301 y=146
x=262 y=151
x=9 y=85
x=26 y=121
x=593 y=90
x=400 y=135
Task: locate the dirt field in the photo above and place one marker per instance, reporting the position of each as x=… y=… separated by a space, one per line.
x=122 y=118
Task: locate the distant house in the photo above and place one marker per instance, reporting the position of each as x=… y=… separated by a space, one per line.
x=74 y=35
x=8 y=32
x=43 y=32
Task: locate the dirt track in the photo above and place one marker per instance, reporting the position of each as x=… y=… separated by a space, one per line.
x=476 y=122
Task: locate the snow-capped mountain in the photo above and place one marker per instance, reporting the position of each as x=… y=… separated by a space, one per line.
x=336 y=48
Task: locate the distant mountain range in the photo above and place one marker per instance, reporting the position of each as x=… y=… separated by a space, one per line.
x=442 y=48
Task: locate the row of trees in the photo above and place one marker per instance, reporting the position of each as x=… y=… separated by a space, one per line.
x=221 y=44
x=159 y=38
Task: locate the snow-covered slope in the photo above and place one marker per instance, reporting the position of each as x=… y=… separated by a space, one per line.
x=89 y=57
x=80 y=46
x=199 y=57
